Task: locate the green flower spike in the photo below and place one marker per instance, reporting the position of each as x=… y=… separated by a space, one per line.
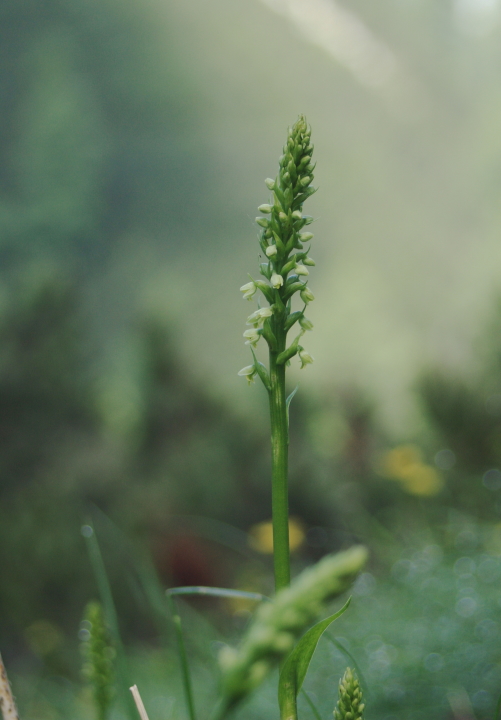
x=285 y=274
x=349 y=705
x=281 y=239
x=98 y=654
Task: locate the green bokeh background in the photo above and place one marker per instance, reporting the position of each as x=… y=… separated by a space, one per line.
x=134 y=140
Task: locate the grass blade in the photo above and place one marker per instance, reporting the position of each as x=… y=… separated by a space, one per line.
x=183 y=660
x=217 y=592
x=348 y=654
x=311 y=704
x=104 y=588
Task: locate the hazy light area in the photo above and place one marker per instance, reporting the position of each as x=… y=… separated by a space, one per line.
x=343 y=35
x=477 y=17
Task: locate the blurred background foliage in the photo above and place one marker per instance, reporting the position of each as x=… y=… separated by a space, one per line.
x=134 y=137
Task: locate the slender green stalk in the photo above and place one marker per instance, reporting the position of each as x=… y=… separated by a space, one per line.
x=183 y=659
x=286 y=272
x=279 y=471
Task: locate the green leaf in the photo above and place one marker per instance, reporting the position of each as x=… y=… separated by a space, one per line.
x=296 y=666
x=216 y=592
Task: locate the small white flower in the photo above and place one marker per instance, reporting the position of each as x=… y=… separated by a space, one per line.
x=266 y=209
x=258 y=316
x=309 y=261
x=249 y=289
x=304 y=237
x=270 y=184
x=305 y=323
x=248 y=372
x=301 y=270
x=306 y=295
x=276 y=281
x=252 y=336
x=305 y=358
x=271 y=251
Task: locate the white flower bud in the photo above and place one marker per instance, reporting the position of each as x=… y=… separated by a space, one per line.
x=277 y=281
x=297 y=215
x=306 y=295
x=301 y=270
x=252 y=336
x=248 y=372
x=265 y=313
x=304 y=237
x=271 y=251
x=270 y=184
x=249 y=289
x=282 y=216
x=305 y=181
x=258 y=316
x=305 y=323
x=309 y=261
x=262 y=221
x=305 y=358
x=266 y=209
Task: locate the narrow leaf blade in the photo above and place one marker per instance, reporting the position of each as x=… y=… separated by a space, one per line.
x=297 y=663
x=216 y=592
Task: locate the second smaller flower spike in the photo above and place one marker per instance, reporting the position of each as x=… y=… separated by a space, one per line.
x=350 y=705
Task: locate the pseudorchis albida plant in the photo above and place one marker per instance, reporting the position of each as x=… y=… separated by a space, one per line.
x=285 y=244
x=279 y=630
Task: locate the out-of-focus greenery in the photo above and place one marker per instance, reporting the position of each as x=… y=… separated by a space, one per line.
x=133 y=136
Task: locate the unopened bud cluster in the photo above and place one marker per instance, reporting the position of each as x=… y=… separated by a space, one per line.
x=98 y=656
x=282 y=240
x=349 y=705
x=277 y=624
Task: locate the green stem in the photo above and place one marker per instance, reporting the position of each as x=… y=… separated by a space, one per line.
x=183 y=660
x=279 y=464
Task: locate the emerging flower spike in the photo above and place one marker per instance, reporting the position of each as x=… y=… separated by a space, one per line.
x=349 y=705
x=281 y=238
x=99 y=654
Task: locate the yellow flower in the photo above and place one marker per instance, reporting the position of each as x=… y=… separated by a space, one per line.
x=261 y=535
x=405 y=465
